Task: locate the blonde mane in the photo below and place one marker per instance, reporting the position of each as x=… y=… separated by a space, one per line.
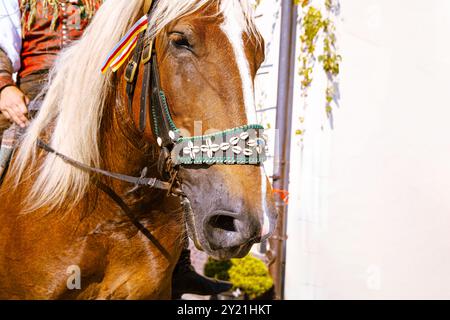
x=76 y=98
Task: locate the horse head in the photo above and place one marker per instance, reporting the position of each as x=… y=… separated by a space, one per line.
x=203 y=64
x=207 y=63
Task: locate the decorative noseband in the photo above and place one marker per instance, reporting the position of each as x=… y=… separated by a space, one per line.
x=242 y=145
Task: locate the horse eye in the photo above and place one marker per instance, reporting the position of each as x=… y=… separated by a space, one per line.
x=180 y=41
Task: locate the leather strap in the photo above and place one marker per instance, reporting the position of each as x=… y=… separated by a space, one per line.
x=142 y=51
x=162 y=122
x=131 y=72
x=137 y=181
x=144 y=96
x=129 y=213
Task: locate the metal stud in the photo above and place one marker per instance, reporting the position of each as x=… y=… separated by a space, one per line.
x=251 y=143
x=191 y=150
x=237 y=150
x=210 y=148
x=244 y=135
x=234 y=141
x=224 y=146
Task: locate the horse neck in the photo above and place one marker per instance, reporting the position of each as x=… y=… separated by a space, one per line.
x=123 y=149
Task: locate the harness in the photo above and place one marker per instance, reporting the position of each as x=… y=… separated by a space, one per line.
x=244 y=145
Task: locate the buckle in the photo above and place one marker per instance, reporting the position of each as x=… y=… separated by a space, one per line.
x=147 y=51
x=130 y=71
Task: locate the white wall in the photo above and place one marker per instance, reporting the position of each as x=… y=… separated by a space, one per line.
x=370 y=200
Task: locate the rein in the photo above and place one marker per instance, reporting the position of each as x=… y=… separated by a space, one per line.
x=140 y=181
x=244 y=145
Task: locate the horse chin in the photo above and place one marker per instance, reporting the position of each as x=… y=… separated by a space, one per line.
x=217 y=253
x=232 y=252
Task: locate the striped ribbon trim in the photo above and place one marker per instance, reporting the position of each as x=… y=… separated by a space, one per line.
x=117 y=63
x=123 y=49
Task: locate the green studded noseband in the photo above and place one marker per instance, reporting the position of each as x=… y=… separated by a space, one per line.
x=241 y=145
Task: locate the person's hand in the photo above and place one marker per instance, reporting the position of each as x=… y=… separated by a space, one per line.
x=13 y=105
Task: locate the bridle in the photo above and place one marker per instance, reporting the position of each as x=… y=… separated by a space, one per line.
x=244 y=145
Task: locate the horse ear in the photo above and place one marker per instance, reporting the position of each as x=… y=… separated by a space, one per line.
x=147 y=6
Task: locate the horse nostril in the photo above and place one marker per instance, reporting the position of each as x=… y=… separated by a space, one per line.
x=225 y=229
x=226 y=223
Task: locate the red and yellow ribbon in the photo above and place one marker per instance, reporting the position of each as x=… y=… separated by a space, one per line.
x=126 y=45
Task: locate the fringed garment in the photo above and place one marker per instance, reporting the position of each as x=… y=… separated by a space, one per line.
x=47 y=27
x=50 y=25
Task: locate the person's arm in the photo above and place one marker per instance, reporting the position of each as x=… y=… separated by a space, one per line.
x=11 y=31
x=13 y=103
x=6 y=71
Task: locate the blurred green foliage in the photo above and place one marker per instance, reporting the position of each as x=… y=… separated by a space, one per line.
x=316 y=23
x=249 y=274
x=217 y=269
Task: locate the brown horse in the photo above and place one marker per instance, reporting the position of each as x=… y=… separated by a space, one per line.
x=63 y=238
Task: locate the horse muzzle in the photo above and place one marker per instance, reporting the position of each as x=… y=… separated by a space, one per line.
x=225 y=234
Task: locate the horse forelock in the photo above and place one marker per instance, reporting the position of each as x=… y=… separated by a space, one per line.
x=77 y=95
